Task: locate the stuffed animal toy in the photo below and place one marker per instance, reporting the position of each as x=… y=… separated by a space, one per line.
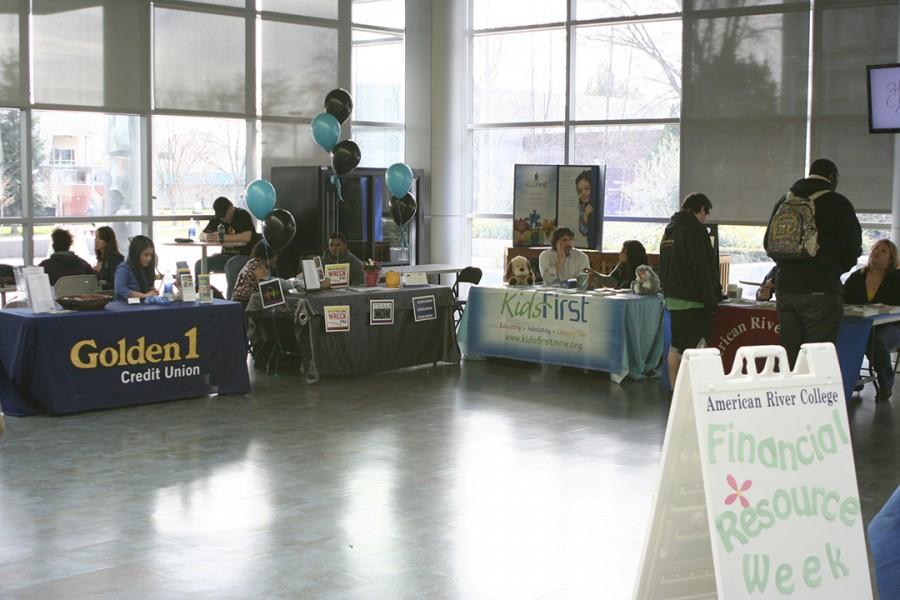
x=646 y=282
x=518 y=272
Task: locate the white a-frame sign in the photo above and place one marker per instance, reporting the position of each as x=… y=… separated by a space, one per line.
x=757 y=495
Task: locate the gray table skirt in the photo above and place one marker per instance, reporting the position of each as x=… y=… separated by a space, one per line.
x=365 y=348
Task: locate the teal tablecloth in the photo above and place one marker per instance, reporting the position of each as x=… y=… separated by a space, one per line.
x=621 y=334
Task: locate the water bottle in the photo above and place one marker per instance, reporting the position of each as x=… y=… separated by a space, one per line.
x=192 y=229
x=167 y=285
x=221 y=232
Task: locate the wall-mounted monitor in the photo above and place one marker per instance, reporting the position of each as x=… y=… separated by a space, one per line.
x=884 y=98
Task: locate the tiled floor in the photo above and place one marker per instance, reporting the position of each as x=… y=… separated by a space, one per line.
x=490 y=480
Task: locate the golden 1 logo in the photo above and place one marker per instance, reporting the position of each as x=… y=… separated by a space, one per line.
x=85 y=354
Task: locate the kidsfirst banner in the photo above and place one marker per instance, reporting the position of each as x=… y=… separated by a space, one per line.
x=123 y=355
x=619 y=334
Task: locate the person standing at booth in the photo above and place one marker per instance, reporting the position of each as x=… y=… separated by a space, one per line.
x=689 y=276
x=808 y=286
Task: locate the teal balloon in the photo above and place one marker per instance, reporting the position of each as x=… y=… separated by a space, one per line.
x=260 y=198
x=326 y=130
x=398 y=178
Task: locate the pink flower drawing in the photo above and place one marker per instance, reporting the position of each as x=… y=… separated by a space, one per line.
x=738 y=492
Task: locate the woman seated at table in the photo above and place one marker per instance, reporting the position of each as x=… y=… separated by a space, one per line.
x=879 y=283
x=108 y=256
x=631 y=256
x=136 y=276
x=255 y=270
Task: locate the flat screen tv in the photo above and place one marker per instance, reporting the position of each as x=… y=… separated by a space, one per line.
x=884 y=98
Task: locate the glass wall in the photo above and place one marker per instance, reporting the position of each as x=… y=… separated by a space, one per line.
x=673 y=96
x=138 y=115
x=378 y=81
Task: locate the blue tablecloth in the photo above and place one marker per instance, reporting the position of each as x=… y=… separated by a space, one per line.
x=619 y=334
x=122 y=355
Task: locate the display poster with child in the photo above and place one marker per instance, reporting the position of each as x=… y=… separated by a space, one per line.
x=580 y=205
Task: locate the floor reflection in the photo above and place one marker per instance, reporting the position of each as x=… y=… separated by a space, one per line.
x=490 y=480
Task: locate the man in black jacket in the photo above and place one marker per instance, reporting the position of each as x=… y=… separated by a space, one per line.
x=808 y=291
x=689 y=276
x=63 y=262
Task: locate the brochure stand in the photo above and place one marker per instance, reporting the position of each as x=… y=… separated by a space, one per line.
x=40 y=292
x=757 y=495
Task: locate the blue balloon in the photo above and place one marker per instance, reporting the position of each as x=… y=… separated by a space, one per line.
x=260 y=198
x=326 y=130
x=398 y=178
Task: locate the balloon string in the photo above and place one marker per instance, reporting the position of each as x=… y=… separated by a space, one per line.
x=336 y=182
x=404 y=241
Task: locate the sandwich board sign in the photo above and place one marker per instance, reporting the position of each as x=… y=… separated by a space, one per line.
x=757 y=495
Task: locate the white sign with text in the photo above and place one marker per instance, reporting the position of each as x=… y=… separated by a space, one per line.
x=757 y=495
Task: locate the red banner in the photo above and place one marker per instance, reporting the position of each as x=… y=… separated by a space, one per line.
x=735 y=326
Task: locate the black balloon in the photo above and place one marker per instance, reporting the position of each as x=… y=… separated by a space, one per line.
x=403 y=209
x=339 y=103
x=279 y=228
x=345 y=156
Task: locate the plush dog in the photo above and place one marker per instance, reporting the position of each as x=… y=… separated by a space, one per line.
x=646 y=282
x=518 y=272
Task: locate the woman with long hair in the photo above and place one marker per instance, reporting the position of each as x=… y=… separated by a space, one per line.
x=879 y=283
x=136 y=276
x=106 y=248
x=631 y=256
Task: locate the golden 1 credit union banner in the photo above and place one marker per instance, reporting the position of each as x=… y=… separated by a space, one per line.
x=119 y=356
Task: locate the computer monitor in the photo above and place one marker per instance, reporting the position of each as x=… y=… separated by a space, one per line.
x=884 y=98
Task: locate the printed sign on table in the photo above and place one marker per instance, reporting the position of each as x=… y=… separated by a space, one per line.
x=757 y=495
x=339 y=274
x=270 y=293
x=381 y=312
x=424 y=308
x=204 y=290
x=188 y=291
x=337 y=318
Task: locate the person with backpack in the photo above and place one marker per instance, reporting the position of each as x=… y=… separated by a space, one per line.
x=814 y=237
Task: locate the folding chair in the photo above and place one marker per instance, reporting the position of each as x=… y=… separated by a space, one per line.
x=471 y=275
x=232 y=269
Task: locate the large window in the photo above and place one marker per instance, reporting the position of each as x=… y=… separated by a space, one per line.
x=554 y=91
x=139 y=114
x=378 y=81
x=674 y=96
x=195 y=160
x=86 y=164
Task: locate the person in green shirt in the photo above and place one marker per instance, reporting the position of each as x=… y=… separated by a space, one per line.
x=689 y=276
